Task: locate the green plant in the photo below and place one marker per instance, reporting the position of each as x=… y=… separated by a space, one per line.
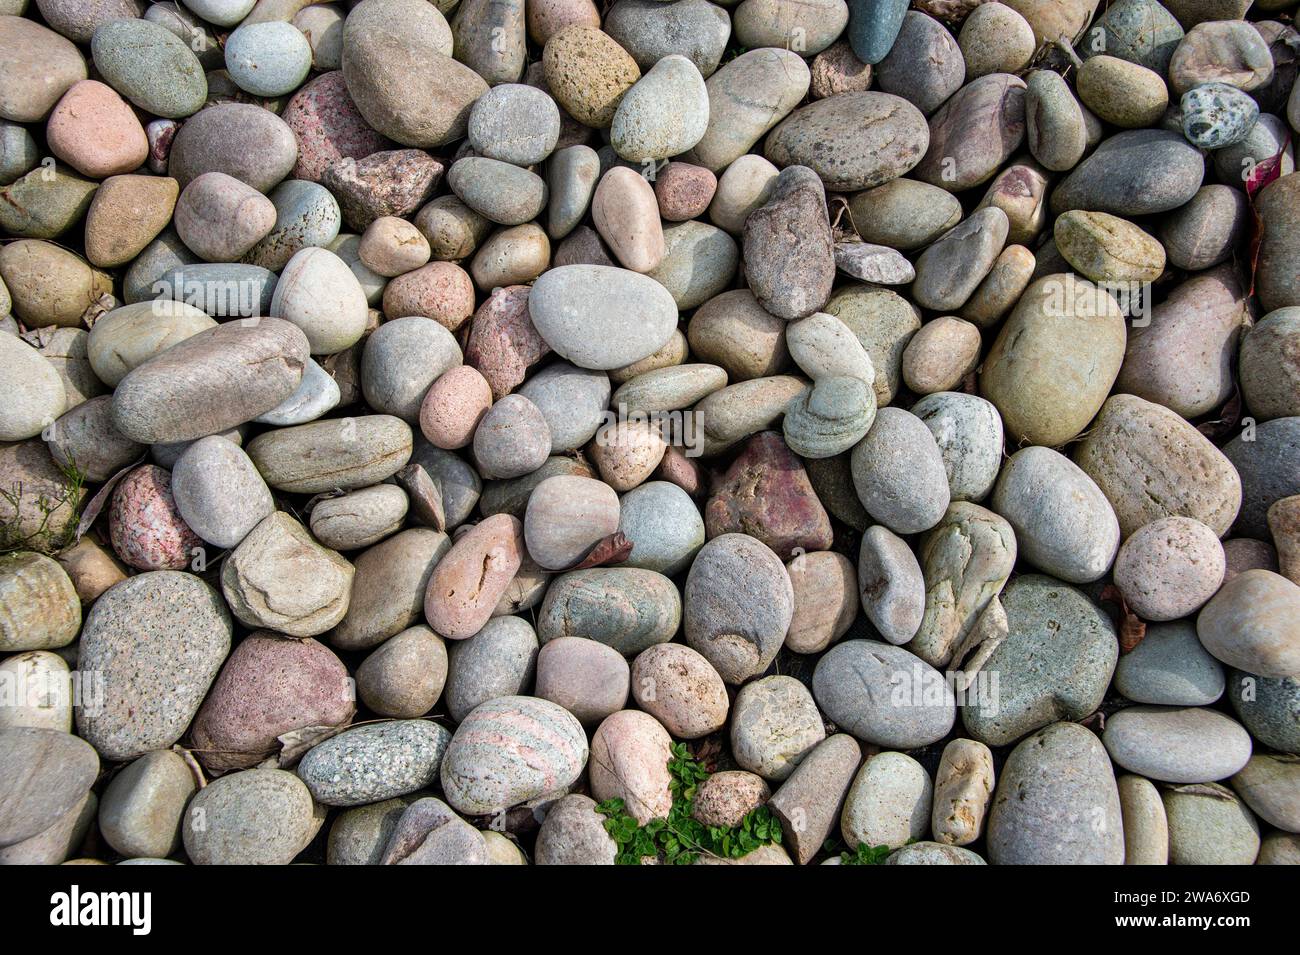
x=681 y=838
x=865 y=855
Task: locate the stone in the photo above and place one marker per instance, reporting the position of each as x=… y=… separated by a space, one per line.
x=664 y=114
x=37 y=398
x=1177 y=744
x=747 y=97
x=158 y=639
x=852 y=141
x=384 y=183
x=586 y=677
x=243 y=141
x=1114 y=179
x=968 y=430
x=1108 y=249
x=388 y=587
x=257 y=817
x=399 y=72
x=874 y=26
x=510 y=750
x=588 y=73
x=974 y=133
x=256 y=365
x=650 y=30
x=1251 y=624
x=899 y=474
x=50 y=773
x=93 y=130
x=918 y=709
x=150 y=66
x=738 y=605
x=1150 y=463
x=765 y=494
x=218 y=491
x=328 y=127
x=1268 y=785
x=1208 y=825
x=949 y=270
x=1044 y=678
x=1146 y=830
x=376 y=761
x=636 y=315
x=39 y=67
x=775 y=724
x=1064 y=524
x=573 y=833
x=1054 y=360
x=888 y=803
x=1169 y=568
x=809 y=802
x=1057 y=802
x=963 y=787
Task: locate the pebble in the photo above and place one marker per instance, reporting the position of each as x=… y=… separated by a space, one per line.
x=281 y=579
x=918 y=710
x=808 y=802
x=1250 y=624
x=665 y=113
x=1146 y=830
x=242 y=140
x=150 y=66
x=1267 y=784
x=377 y=761
x=649 y=30
x=159 y=638
x=41 y=607
x=888 y=803
x=1109 y=180
x=40 y=66
x=510 y=750
x=747 y=97
x=1057 y=802
x=1064 y=524
x=218 y=492
x=1208 y=825
x=44 y=691
x=269 y=688
x=573 y=833
x=500 y=660
x=1044 y=679
x=257 y=817
x=1177 y=744
x=360 y=452
x=899 y=474
x=564 y=307
x=388 y=587
x=824 y=600
x=874 y=26
x=963 y=787
x=1054 y=360
x=588 y=73
x=93 y=130
x=626 y=214
x=269 y=58
x=1170 y=667
x=1169 y=568
x=586 y=677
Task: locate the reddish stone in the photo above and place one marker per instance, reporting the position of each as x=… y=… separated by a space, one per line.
x=766 y=494
x=328 y=127
x=393 y=183
x=144 y=526
x=442 y=291
x=684 y=191
x=503 y=344
x=270 y=686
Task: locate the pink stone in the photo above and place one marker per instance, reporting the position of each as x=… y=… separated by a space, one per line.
x=453 y=407
x=95 y=132
x=328 y=127
x=441 y=291
x=503 y=344
x=766 y=494
x=684 y=191
x=143 y=525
